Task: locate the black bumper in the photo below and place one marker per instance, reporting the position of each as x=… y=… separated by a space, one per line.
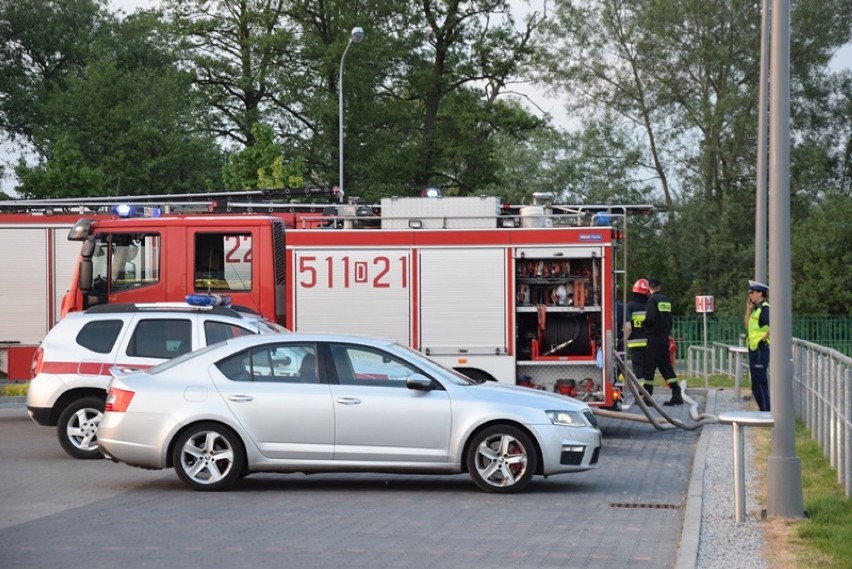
x=40 y=415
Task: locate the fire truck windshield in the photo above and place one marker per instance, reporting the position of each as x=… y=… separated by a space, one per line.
x=122 y=261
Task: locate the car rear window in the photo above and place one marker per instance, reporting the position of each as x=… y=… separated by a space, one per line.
x=99 y=336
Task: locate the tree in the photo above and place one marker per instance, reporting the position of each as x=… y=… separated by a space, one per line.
x=43 y=44
x=233 y=48
x=472 y=51
x=683 y=76
x=126 y=122
x=379 y=123
x=821 y=261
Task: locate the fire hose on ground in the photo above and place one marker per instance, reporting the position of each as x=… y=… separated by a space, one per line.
x=665 y=421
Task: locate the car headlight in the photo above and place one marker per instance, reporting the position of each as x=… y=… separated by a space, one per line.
x=566 y=418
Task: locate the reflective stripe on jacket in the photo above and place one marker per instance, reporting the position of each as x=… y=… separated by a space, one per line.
x=637 y=337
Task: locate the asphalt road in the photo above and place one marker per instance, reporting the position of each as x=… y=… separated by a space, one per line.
x=59 y=512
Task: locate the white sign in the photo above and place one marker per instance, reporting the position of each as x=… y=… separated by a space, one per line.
x=704 y=304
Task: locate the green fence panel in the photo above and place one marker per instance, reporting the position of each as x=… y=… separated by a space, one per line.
x=829 y=331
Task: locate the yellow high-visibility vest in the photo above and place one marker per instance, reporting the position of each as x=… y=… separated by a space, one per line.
x=755 y=331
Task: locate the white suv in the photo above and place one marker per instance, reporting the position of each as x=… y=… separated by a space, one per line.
x=71 y=366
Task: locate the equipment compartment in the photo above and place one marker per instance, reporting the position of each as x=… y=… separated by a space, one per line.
x=558 y=306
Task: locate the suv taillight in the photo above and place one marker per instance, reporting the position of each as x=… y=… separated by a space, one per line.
x=118 y=400
x=38 y=362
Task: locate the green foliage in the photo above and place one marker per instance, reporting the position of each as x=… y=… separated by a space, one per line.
x=262 y=165
x=123 y=121
x=822 y=259
x=233 y=49
x=43 y=44
x=682 y=78
x=65 y=175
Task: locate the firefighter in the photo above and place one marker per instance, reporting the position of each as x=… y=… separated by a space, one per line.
x=658 y=327
x=756 y=323
x=634 y=331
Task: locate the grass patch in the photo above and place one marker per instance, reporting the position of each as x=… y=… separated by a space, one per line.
x=716 y=381
x=829 y=524
x=16 y=389
x=824 y=538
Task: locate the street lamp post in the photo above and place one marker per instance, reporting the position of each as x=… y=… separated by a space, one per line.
x=356 y=36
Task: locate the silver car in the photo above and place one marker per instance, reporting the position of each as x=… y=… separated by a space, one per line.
x=322 y=403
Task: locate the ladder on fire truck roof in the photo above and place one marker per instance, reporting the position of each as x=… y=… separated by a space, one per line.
x=283 y=200
x=258 y=201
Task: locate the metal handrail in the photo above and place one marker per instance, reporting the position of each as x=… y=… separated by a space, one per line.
x=822 y=395
x=822 y=399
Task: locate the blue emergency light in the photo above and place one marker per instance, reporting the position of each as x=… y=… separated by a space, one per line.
x=602 y=219
x=208 y=300
x=128 y=210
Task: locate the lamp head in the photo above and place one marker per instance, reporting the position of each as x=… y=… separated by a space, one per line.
x=356 y=35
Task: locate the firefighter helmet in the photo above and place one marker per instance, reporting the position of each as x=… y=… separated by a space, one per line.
x=641 y=286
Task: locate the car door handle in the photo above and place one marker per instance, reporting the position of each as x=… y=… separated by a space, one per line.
x=240 y=398
x=348 y=400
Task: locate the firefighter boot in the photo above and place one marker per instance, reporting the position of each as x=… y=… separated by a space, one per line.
x=649 y=387
x=677 y=397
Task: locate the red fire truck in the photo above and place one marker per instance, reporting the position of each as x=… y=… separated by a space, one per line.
x=520 y=294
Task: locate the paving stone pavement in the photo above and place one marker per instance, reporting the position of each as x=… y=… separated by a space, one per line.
x=59 y=512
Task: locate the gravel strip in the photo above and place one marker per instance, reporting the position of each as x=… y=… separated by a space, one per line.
x=722 y=543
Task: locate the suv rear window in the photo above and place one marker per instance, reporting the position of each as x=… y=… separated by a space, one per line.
x=99 y=336
x=220 y=331
x=161 y=338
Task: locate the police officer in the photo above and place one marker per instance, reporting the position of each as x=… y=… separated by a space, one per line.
x=756 y=323
x=658 y=327
x=634 y=331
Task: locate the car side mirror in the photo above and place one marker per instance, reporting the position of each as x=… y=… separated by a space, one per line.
x=419 y=382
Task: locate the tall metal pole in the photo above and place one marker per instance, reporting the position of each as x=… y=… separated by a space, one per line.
x=354 y=37
x=761 y=193
x=784 y=469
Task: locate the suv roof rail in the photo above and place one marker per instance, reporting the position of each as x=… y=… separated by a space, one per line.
x=233 y=310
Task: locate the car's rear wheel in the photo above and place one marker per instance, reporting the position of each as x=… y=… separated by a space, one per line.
x=501 y=458
x=78 y=427
x=209 y=456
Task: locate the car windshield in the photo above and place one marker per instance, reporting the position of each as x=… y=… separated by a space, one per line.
x=449 y=373
x=269 y=327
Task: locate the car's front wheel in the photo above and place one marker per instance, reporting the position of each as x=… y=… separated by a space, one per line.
x=501 y=459
x=78 y=427
x=209 y=456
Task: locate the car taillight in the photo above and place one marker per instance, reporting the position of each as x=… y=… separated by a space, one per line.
x=118 y=400
x=37 y=363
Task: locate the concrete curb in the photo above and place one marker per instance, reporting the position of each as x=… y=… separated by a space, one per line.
x=687 y=554
x=13 y=402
